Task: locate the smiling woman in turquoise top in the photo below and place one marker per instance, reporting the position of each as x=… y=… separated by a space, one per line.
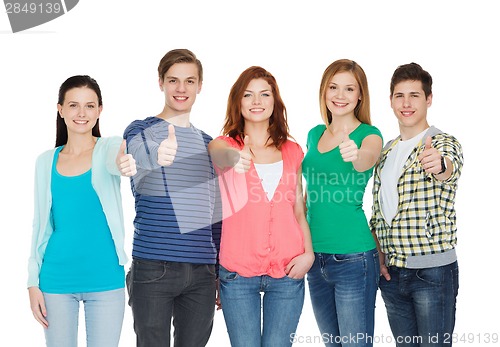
x=341 y=153
x=77 y=245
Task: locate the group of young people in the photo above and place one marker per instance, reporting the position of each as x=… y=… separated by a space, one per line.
x=226 y=223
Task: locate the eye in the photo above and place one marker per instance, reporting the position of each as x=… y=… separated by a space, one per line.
x=72 y=105
x=247 y=95
x=91 y=106
x=350 y=89
x=172 y=81
x=333 y=87
x=266 y=94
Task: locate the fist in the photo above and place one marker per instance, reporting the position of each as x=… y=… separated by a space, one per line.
x=348 y=148
x=168 y=148
x=430 y=158
x=125 y=162
x=243 y=164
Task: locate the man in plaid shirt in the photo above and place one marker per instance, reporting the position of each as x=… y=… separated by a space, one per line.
x=415 y=183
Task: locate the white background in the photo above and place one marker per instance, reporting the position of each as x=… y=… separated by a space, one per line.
x=120 y=43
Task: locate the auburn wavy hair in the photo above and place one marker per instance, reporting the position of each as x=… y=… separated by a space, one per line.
x=234 y=123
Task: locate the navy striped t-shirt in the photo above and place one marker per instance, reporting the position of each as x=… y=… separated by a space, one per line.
x=178 y=211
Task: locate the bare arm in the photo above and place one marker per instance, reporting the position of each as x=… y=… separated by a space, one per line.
x=298 y=266
x=368 y=153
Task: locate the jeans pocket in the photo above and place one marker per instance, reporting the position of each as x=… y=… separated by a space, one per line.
x=226 y=275
x=433 y=275
x=144 y=271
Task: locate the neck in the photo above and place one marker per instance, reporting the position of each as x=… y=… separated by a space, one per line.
x=79 y=143
x=339 y=123
x=179 y=119
x=409 y=133
x=258 y=133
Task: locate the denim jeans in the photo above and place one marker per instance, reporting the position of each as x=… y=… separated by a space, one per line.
x=343 y=289
x=277 y=312
x=160 y=291
x=421 y=305
x=103 y=318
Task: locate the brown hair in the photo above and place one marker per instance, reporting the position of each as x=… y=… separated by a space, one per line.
x=178 y=56
x=412 y=72
x=234 y=123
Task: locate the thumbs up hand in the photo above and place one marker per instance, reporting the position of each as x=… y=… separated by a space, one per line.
x=243 y=164
x=168 y=148
x=125 y=162
x=348 y=148
x=430 y=158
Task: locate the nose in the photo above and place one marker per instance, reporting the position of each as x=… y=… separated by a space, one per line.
x=256 y=100
x=406 y=101
x=181 y=87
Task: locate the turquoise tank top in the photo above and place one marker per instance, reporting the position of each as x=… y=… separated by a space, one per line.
x=80 y=255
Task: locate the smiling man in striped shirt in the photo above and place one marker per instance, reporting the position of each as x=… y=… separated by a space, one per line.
x=178 y=214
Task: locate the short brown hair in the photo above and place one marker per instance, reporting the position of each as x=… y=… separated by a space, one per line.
x=178 y=56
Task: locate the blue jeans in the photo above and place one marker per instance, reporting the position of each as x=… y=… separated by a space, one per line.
x=160 y=291
x=343 y=289
x=421 y=305
x=241 y=304
x=103 y=318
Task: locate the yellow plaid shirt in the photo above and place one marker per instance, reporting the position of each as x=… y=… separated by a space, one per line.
x=425 y=222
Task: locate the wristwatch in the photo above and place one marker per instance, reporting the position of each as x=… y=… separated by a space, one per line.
x=443 y=165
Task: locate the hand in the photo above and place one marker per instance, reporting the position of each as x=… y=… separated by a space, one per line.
x=243 y=164
x=384 y=271
x=168 y=148
x=430 y=158
x=348 y=148
x=37 y=304
x=217 y=295
x=298 y=266
x=125 y=162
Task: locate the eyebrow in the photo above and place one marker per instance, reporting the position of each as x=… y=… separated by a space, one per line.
x=261 y=91
x=176 y=78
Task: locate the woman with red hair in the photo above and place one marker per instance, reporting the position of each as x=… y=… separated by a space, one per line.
x=265 y=246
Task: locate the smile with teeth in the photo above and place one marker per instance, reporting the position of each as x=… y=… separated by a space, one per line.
x=81 y=121
x=256 y=110
x=406 y=113
x=180 y=98
x=338 y=104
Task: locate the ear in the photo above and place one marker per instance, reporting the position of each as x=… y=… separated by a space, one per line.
x=429 y=100
x=160 y=83
x=99 y=111
x=59 y=109
x=199 y=87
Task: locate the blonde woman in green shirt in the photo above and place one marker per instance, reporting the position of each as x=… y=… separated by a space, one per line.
x=341 y=154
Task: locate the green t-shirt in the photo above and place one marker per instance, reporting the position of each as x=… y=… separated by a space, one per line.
x=335 y=193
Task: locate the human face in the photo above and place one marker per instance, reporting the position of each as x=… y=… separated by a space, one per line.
x=410 y=106
x=80 y=110
x=180 y=84
x=342 y=94
x=257 y=103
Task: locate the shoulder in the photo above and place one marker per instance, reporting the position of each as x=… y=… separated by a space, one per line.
x=367 y=129
x=229 y=140
x=292 y=146
x=140 y=125
x=108 y=143
x=439 y=136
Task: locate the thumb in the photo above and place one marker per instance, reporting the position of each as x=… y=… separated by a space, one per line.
x=123 y=147
x=246 y=144
x=428 y=142
x=171 y=133
x=346 y=134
